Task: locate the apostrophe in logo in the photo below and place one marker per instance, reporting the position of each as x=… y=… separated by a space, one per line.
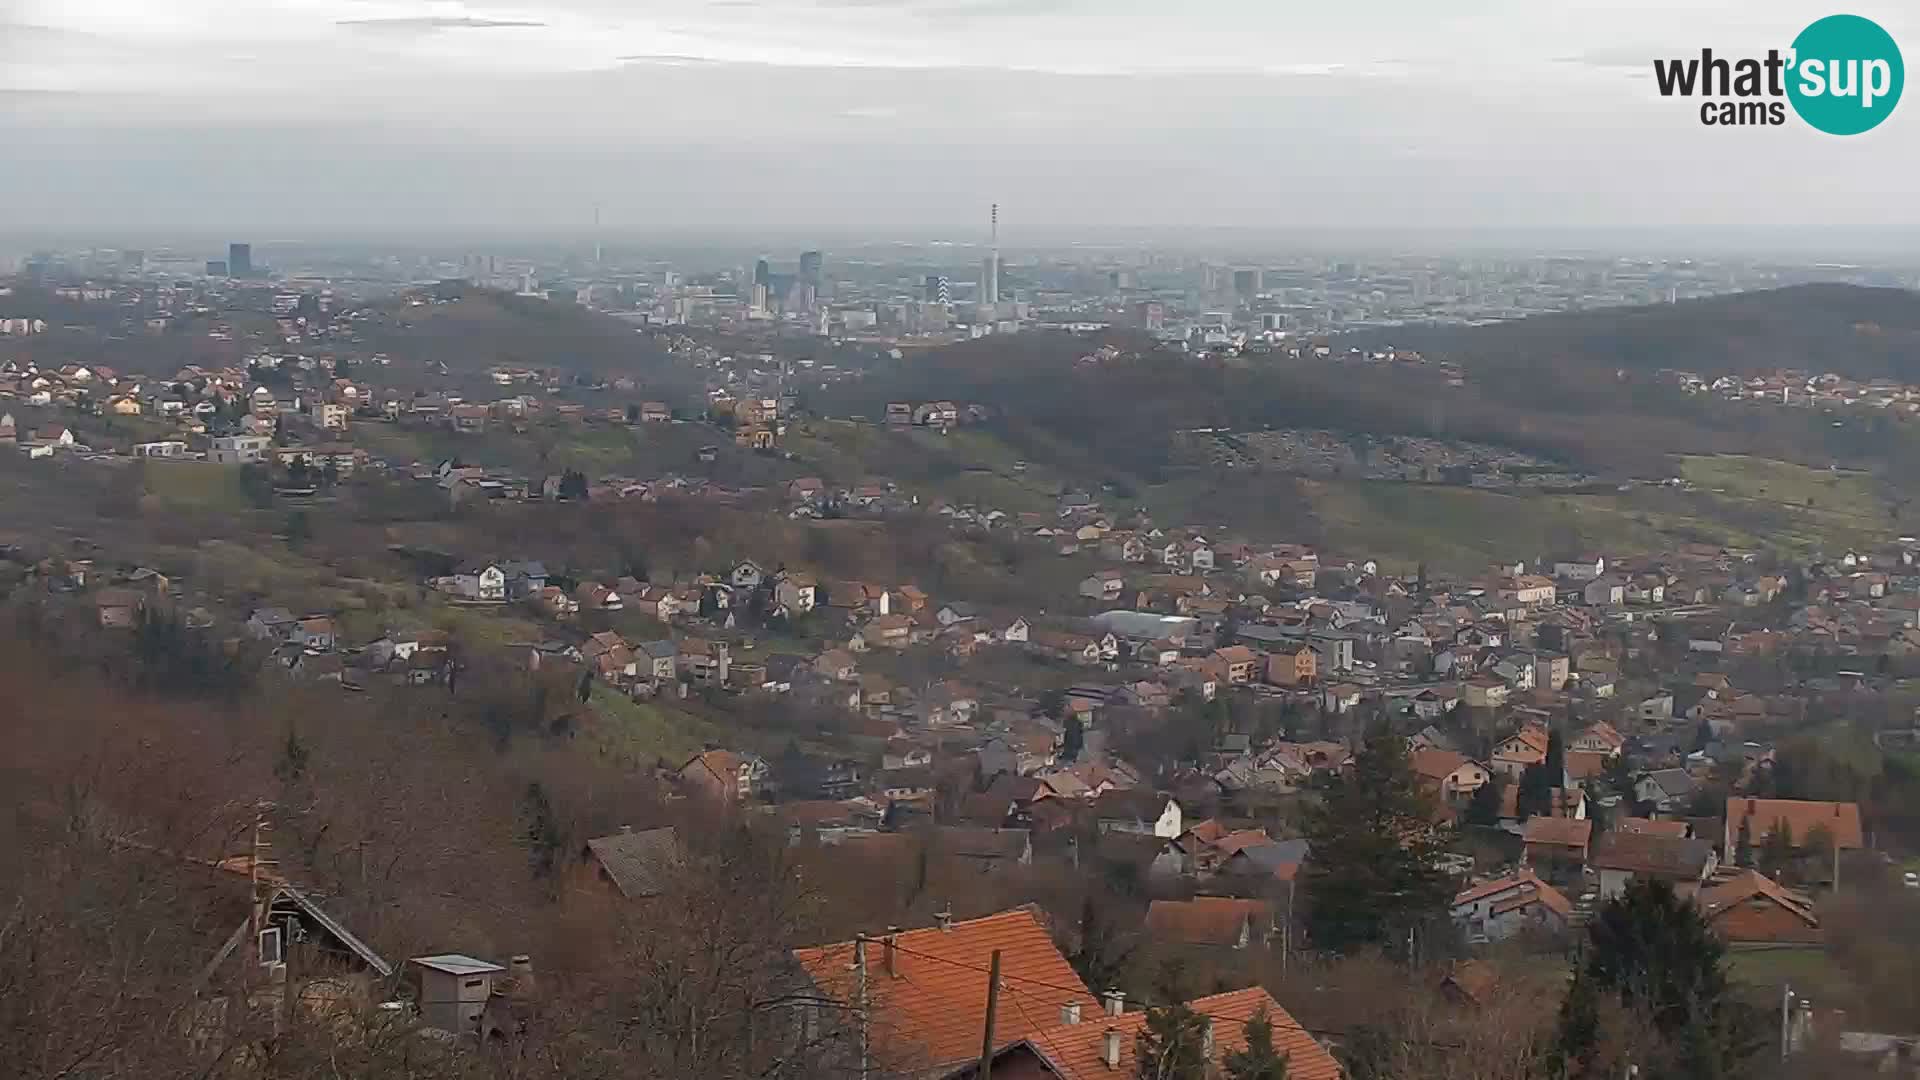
x=1846 y=75
x=1843 y=76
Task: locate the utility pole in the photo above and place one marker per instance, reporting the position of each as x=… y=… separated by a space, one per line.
x=985 y=1072
x=860 y=1002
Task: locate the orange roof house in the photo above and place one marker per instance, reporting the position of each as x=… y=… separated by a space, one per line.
x=1099 y=1046
x=927 y=989
x=1557 y=838
x=1222 y=921
x=1751 y=908
x=1801 y=816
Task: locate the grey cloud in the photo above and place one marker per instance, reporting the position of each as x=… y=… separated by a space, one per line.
x=424 y=23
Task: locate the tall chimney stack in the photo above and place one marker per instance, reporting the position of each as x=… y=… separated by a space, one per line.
x=1110 y=1049
x=1070 y=1013
x=891 y=966
x=1115 y=1001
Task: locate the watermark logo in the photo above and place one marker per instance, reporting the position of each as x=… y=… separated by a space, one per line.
x=1843 y=75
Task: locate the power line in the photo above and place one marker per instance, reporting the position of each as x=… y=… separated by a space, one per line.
x=1291 y=1024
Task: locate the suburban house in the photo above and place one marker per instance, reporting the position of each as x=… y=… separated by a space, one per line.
x=638 y=865
x=1801 y=818
x=1297 y=665
x=1580 y=568
x=1239 y=663
x=1138 y=811
x=1513 y=754
x=1106 y=1046
x=1750 y=908
x=1497 y=910
x=1560 y=843
x=657 y=660
x=922 y=989
x=238 y=449
x=1486 y=692
x=798 y=592
x=705 y=661
x=1454 y=776
x=1219 y=922
x=1669 y=790
x=1104 y=585
x=724 y=776
x=1621 y=857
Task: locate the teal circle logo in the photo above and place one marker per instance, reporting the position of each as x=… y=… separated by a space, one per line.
x=1846 y=75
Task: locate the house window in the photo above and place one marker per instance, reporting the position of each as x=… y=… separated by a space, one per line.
x=271 y=950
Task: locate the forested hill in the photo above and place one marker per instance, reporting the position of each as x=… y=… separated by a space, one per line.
x=1558 y=386
x=1858 y=332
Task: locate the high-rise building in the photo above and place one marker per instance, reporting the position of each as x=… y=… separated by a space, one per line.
x=762 y=273
x=1246 y=283
x=216 y=268
x=810 y=266
x=938 y=290
x=240 y=260
x=990 y=266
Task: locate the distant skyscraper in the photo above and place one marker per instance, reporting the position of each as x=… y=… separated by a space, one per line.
x=938 y=289
x=810 y=265
x=762 y=273
x=1246 y=283
x=216 y=268
x=990 y=266
x=240 y=260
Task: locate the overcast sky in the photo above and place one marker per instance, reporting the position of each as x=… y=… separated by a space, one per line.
x=303 y=114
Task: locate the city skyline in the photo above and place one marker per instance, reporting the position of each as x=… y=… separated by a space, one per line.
x=886 y=115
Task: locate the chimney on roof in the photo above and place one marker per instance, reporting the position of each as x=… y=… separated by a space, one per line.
x=1753 y=807
x=1070 y=1013
x=1115 y=1002
x=944 y=917
x=1110 y=1049
x=892 y=932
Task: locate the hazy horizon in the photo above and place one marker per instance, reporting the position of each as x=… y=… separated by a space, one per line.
x=304 y=117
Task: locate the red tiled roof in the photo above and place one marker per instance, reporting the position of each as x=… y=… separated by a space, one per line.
x=1436 y=764
x=928 y=1010
x=1207 y=920
x=1559 y=831
x=1650 y=827
x=1739 y=907
x=1074 y=1050
x=1840 y=819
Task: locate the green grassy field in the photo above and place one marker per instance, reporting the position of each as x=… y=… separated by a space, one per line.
x=195 y=485
x=1806 y=508
x=639 y=733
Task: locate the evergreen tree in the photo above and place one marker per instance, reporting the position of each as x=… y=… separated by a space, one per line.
x=1556 y=759
x=1102 y=956
x=1172 y=1045
x=1374 y=841
x=1535 y=797
x=542 y=831
x=1075 y=738
x=1259 y=1061
x=1743 y=844
x=1655 y=954
x=292 y=766
x=1484 y=809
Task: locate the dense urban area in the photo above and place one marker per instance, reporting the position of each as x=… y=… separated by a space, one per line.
x=929 y=661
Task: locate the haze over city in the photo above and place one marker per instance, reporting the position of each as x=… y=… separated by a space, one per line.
x=305 y=115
